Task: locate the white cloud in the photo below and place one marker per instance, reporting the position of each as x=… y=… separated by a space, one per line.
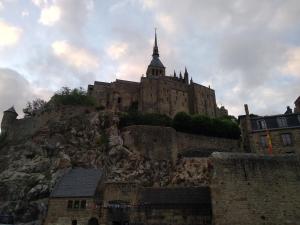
x=76 y=57
x=130 y=71
x=14 y=90
x=40 y=3
x=1 y=6
x=116 y=50
x=50 y=15
x=25 y=13
x=166 y=22
x=292 y=66
x=9 y=35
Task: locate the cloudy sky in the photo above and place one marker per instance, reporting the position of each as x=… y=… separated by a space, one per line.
x=248 y=51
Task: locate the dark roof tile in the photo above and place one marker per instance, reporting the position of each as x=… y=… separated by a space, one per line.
x=78 y=182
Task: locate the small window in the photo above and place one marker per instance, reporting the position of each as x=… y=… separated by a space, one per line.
x=263 y=141
x=281 y=122
x=261 y=124
x=119 y=100
x=74 y=222
x=76 y=204
x=70 y=204
x=83 y=204
x=286 y=139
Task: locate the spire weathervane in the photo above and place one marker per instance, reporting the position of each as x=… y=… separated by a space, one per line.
x=155 y=48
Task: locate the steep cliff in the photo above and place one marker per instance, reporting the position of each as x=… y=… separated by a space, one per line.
x=34 y=158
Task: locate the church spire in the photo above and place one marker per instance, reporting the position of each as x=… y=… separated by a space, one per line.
x=156 y=68
x=155 y=47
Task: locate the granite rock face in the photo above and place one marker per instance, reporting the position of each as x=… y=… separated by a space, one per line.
x=31 y=166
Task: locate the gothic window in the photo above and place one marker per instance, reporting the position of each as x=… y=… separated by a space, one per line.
x=286 y=139
x=281 y=122
x=263 y=141
x=70 y=204
x=261 y=124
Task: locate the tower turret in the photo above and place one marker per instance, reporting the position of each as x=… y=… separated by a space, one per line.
x=9 y=116
x=156 y=68
x=186 y=76
x=180 y=76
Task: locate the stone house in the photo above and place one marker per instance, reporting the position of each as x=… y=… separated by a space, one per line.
x=75 y=200
x=130 y=203
x=283 y=130
x=174 y=205
x=157 y=93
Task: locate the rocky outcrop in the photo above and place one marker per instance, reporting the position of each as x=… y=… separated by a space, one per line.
x=31 y=166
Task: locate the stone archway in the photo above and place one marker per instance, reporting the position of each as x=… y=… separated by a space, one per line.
x=93 y=221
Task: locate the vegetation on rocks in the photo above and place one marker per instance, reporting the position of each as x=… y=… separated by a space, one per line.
x=225 y=127
x=76 y=96
x=34 y=107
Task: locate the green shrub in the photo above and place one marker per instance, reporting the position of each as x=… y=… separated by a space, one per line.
x=226 y=127
x=182 y=122
x=196 y=124
x=77 y=96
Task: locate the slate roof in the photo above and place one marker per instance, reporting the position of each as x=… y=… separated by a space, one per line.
x=175 y=196
x=11 y=109
x=79 y=182
x=155 y=62
x=271 y=121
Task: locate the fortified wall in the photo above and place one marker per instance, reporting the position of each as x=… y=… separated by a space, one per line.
x=19 y=129
x=255 y=189
x=163 y=143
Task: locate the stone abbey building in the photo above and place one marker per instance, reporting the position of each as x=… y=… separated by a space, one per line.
x=158 y=93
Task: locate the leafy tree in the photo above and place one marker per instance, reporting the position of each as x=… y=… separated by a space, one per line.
x=76 y=96
x=182 y=122
x=33 y=107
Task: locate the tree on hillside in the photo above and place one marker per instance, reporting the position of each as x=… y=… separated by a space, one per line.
x=33 y=107
x=76 y=96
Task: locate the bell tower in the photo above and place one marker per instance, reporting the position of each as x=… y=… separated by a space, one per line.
x=9 y=117
x=156 y=68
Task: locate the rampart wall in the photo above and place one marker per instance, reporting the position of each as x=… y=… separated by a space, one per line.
x=164 y=143
x=255 y=189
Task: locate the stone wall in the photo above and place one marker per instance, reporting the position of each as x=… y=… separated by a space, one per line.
x=166 y=216
x=277 y=144
x=164 y=143
x=250 y=189
x=59 y=214
x=202 y=100
x=116 y=96
x=27 y=127
x=187 y=142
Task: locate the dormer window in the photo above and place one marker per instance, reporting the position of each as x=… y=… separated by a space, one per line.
x=281 y=121
x=261 y=124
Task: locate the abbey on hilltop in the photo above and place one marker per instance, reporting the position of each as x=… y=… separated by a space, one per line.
x=158 y=93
